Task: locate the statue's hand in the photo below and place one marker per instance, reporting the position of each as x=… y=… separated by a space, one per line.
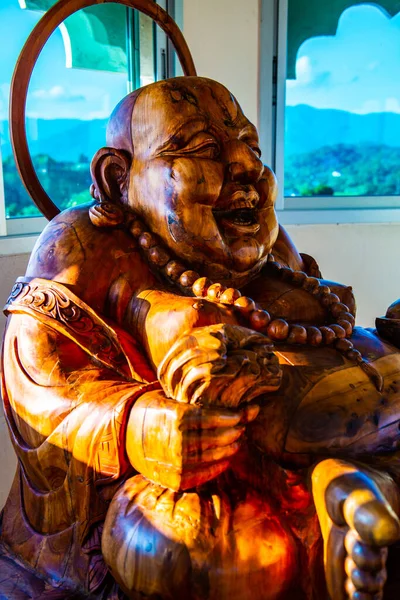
x=181 y=446
x=357 y=509
x=219 y=365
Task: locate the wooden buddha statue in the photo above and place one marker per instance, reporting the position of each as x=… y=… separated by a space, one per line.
x=195 y=414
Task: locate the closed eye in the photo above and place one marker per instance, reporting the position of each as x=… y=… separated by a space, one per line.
x=203 y=145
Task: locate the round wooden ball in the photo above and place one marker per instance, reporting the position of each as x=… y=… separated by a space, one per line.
x=147 y=240
x=188 y=278
x=230 y=296
x=278 y=329
x=339 y=331
x=174 y=269
x=137 y=228
x=297 y=334
x=215 y=291
x=338 y=308
x=259 y=320
x=314 y=336
x=201 y=286
x=329 y=299
x=346 y=326
x=245 y=305
x=298 y=277
x=343 y=345
x=158 y=256
x=346 y=316
x=328 y=335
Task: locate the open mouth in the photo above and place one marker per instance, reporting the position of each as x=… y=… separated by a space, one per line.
x=237 y=221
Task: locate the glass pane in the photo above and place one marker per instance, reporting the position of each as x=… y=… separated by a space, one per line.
x=81 y=75
x=342 y=118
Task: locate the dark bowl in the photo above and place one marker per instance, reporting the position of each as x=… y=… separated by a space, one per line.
x=389 y=329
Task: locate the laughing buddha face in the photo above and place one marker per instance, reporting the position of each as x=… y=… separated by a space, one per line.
x=196 y=176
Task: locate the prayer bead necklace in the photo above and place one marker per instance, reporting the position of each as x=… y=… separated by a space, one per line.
x=334 y=335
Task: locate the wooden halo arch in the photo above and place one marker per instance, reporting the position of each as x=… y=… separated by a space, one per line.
x=26 y=63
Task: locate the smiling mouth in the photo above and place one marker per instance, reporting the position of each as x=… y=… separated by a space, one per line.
x=237 y=221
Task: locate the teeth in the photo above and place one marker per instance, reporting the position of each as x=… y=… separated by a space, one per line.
x=241 y=203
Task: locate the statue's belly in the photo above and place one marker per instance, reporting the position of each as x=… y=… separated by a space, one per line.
x=329 y=406
x=219 y=544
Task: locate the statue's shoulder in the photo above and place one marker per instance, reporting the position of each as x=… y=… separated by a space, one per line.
x=73 y=251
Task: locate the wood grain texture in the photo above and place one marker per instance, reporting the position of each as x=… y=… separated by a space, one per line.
x=175 y=374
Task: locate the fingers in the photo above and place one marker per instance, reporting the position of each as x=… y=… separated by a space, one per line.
x=365 y=568
x=249 y=413
x=366 y=511
x=196 y=441
x=365 y=557
x=197 y=477
x=200 y=418
x=213 y=454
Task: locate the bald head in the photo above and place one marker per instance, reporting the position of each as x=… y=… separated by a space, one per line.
x=178 y=95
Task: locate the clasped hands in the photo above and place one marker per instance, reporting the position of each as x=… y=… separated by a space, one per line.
x=187 y=434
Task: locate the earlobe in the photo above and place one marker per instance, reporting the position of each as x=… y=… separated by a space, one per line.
x=109 y=170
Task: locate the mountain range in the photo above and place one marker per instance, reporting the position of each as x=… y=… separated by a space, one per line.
x=306 y=130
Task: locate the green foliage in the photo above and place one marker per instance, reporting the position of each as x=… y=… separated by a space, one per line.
x=67 y=184
x=344 y=170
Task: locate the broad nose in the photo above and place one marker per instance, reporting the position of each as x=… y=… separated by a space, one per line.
x=242 y=163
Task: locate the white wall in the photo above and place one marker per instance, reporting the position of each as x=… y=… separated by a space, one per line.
x=365 y=256
x=11 y=267
x=223 y=36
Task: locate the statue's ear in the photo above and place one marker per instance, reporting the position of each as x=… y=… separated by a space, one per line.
x=110 y=175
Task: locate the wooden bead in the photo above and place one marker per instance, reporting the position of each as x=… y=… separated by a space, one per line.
x=278 y=329
x=328 y=335
x=311 y=284
x=298 y=277
x=353 y=354
x=158 y=256
x=174 y=269
x=201 y=286
x=314 y=336
x=245 y=305
x=343 y=345
x=229 y=296
x=259 y=320
x=323 y=290
x=297 y=334
x=215 y=291
x=338 y=308
x=188 y=278
x=346 y=316
x=339 y=331
x=137 y=228
x=329 y=299
x=147 y=240
x=346 y=326
x=286 y=273
x=275 y=266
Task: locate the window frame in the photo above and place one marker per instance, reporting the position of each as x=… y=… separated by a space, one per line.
x=272 y=105
x=19 y=234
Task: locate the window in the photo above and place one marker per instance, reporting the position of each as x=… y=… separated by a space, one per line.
x=334 y=107
x=88 y=65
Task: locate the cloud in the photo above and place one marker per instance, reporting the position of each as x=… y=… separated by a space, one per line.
x=57 y=93
x=355 y=70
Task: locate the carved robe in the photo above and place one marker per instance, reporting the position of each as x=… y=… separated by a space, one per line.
x=69 y=381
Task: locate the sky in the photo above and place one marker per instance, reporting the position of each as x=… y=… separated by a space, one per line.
x=55 y=91
x=357 y=70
